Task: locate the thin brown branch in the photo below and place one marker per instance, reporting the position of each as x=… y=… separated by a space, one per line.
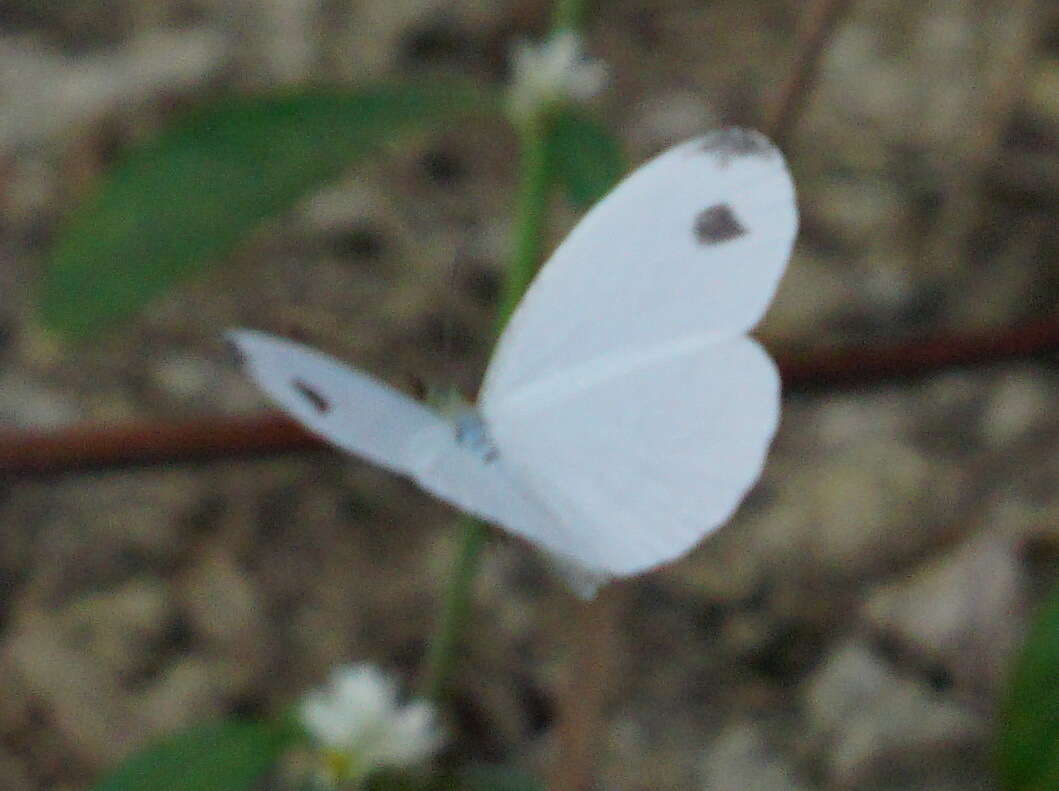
x=88 y=448
x=587 y=689
x=785 y=109
x=865 y=365
x=1012 y=43
x=80 y=449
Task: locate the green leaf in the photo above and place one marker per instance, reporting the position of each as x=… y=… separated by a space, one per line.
x=225 y=756
x=496 y=778
x=585 y=157
x=1028 y=743
x=395 y=780
x=175 y=204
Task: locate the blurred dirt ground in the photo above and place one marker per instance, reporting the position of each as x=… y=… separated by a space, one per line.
x=850 y=629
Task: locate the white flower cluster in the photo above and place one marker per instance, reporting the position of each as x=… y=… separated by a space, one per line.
x=360 y=727
x=554 y=71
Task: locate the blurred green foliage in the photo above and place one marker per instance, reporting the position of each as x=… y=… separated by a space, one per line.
x=496 y=778
x=586 y=159
x=224 y=756
x=477 y=777
x=182 y=201
x=186 y=198
x=1028 y=744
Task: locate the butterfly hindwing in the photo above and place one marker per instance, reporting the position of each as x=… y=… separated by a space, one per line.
x=641 y=464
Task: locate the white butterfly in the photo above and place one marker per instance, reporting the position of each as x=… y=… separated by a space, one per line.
x=625 y=413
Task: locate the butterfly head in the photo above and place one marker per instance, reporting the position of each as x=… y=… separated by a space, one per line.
x=473 y=434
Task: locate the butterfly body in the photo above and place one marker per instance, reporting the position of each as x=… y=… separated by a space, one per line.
x=472 y=433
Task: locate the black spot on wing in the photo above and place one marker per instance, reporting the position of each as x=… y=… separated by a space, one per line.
x=734 y=142
x=320 y=404
x=718 y=224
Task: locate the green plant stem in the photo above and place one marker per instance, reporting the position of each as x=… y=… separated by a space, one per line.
x=534 y=184
x=535 y=181
x=442 y=653
x=568 y=14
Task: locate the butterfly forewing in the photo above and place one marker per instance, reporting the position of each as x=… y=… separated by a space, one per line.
x=693 y=242
x=375 y=422
x=347 y=408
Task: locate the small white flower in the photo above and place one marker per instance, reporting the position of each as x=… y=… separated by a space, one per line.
x=360 y=726
x=554 y=71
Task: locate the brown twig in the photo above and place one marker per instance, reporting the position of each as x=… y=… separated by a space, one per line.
x=865 y=365
x=785 y=108
x=87 y=448
x=80 y=449
x=1012 y=44
x=592 y=630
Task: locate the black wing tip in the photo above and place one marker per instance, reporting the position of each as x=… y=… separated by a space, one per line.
x=737 y=142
